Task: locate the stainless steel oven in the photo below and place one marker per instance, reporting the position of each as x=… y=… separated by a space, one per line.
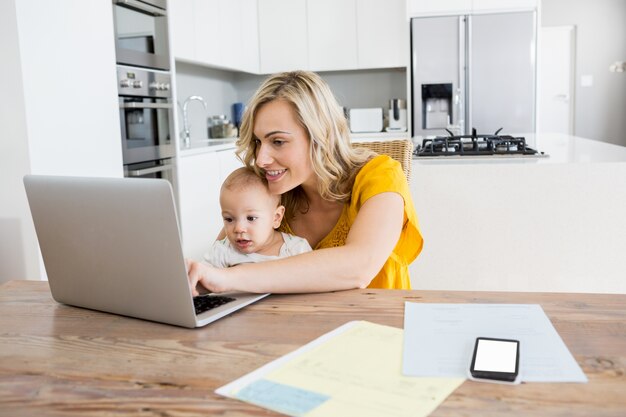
x=141 y=33
x=146 y=115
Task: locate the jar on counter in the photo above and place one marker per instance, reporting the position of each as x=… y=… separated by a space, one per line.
x=217 y=126
x=220 y=127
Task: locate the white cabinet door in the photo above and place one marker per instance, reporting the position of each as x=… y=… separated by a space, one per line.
x=502 y=5
x=438 y=7
x=199 y=180
x=200 y=215
x=249 y=50
x=332 y=35
x=182 y=35
x=282 y=35
x=217 y=33
x=230 y=39
x=383 y=33
x=228 y=162
x=206 y=31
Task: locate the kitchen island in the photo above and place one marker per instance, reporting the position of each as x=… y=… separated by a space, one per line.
x=555 y=223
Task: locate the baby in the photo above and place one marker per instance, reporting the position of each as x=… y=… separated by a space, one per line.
x=251 y=214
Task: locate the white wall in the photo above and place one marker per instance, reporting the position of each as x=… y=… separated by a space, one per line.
x=217 y=87
x=17 y=239
x=60 y=112
x=220 y=89
x=362 y=88
x=600 y=41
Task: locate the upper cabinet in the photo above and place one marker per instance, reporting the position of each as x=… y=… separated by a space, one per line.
x=283 y=42
x=332 y=33
x=449 y=7
x=268 y=36
x=217 y=33
x=383 y=33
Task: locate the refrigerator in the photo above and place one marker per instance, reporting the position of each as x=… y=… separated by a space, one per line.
x=473 y=71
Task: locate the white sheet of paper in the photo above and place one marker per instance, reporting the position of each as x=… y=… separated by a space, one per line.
x=439 y=340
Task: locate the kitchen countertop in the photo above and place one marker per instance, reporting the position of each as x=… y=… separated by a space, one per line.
x=215 y=145
x=207 y=145
x=560 y=148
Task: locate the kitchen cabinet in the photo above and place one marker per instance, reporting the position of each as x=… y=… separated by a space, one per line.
x=516 y=224
x=283 y=35
x=200 y=177
x=198 y=29
x=182 y=33
x=283 y=42
x=382 y=34
x=332 y=34
x=206 y=31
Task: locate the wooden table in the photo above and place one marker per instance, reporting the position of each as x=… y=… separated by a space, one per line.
x=61 y=360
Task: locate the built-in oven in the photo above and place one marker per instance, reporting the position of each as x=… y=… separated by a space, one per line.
x=146 y=122
x=141 y=34
x=146 y=114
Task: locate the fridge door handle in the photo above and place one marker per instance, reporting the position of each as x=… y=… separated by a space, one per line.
x=469 y=123
x=462 y=75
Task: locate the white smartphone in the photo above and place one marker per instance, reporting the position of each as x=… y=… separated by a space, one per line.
x=495 y=359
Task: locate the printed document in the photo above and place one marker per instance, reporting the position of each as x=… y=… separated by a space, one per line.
x=439 y=340
x=354 y=370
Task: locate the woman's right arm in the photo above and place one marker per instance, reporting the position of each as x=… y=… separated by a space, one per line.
x=372 y=237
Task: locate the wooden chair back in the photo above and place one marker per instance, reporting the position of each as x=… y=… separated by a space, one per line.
x=399 y=149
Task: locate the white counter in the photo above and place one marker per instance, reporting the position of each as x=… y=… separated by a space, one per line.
x=207 y=145
x=213 y=145
x=515 y=224
x=559 y=148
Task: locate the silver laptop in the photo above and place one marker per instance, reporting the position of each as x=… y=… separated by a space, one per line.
x=113 y=244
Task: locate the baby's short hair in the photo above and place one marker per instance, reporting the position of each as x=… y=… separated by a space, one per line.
x=243 y=178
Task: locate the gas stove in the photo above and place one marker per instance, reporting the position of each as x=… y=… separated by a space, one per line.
x=475 y=145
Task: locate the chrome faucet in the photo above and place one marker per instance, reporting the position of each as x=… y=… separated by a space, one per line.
x=186 y=136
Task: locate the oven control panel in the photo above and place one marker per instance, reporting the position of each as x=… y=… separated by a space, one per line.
x=143 y=83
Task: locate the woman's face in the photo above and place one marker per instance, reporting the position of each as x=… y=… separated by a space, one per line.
x=282 y=148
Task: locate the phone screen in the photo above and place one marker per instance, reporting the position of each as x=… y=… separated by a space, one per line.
x=495 y=359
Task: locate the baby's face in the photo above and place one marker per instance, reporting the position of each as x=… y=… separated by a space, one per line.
x=250 y=216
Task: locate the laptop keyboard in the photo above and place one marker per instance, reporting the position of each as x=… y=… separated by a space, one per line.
x=207 y=302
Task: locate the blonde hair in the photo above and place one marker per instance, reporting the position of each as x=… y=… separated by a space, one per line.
x=244 y=178
x=334 y=160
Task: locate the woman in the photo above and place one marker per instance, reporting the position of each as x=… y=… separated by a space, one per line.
x=352 y=206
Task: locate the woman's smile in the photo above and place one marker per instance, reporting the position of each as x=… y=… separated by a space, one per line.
x=274 y=175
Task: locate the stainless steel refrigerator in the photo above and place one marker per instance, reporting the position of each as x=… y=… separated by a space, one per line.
x=473 y=71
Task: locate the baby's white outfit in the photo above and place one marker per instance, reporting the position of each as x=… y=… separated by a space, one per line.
x=222 y=253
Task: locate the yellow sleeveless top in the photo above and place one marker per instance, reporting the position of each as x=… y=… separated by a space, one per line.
x=379 y=175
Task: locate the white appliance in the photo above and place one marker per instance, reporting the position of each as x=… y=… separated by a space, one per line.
x=366 y=120
x=473 y=71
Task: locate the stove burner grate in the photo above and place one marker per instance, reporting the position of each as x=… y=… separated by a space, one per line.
x=474 y=145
